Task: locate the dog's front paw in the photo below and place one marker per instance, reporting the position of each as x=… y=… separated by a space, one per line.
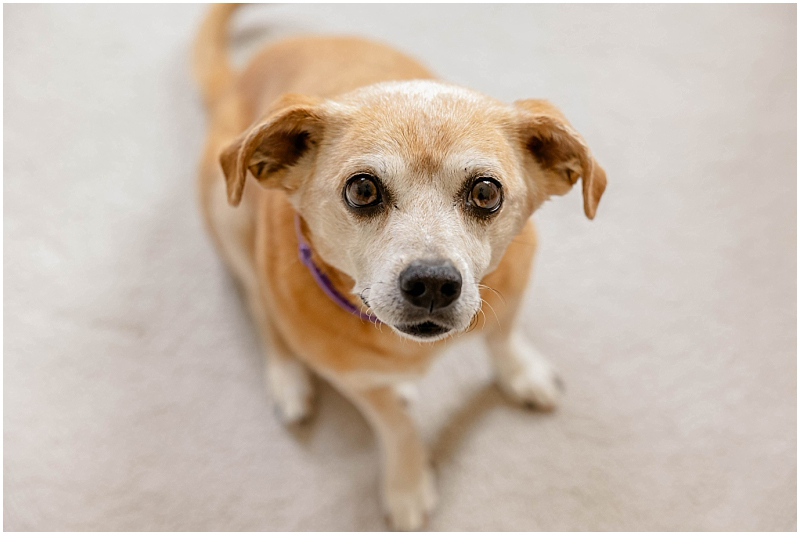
x=526 y=377
x=408 y=506
x=292 y=389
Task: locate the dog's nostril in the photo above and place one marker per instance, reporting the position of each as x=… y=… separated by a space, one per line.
x=417 y=289
x=448 y=289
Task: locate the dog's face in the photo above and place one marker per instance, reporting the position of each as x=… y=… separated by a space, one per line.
x=414 y=189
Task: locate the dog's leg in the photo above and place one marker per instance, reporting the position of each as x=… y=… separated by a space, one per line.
x=522 y=373
x=409 y=493
x=289 y=381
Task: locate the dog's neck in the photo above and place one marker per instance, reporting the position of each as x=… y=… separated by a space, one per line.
x=331 y=281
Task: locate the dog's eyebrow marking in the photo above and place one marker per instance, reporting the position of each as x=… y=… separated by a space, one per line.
x=474 y=163
x=386 y=165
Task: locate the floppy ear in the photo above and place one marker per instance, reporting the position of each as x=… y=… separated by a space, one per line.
x=270 y=148
x=561 y=152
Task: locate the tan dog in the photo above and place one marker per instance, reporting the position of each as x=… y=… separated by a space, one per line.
x=414 y=199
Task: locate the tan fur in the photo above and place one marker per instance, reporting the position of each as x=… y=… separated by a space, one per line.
x=297 y=110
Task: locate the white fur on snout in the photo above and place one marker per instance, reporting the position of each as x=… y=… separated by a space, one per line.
x=431 y=230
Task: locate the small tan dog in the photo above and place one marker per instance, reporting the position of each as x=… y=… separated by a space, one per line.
x=380 y=205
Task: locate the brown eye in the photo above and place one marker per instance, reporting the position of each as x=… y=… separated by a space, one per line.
x=361 y=191
x=486 y=195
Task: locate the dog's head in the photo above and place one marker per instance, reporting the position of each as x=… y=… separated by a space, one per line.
x=414 y=189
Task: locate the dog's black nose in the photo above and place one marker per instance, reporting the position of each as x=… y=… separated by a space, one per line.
x=430 y=284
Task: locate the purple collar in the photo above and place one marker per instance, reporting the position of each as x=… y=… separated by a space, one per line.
x=304 y=251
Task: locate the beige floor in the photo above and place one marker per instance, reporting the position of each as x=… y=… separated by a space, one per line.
x=133 y=392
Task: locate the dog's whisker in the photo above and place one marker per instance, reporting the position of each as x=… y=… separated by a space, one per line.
x=487 y=287
x=493 y=311
x=483 y=316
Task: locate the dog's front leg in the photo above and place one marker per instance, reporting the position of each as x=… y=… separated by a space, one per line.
x=289 y=381
x=522 y=373
x=408 y=486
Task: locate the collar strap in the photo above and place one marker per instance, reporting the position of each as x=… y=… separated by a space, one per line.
x=304 y=251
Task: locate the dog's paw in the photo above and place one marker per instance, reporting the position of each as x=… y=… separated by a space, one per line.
x=526 y=377
x=408 y=507
x=292 y=388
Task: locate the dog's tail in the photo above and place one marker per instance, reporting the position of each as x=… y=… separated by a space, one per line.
x=210 y=64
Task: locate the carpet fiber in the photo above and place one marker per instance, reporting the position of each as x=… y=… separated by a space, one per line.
x=133 y=384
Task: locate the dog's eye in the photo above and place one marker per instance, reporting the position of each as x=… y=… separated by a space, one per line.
x=362 y=191
x=486 y=195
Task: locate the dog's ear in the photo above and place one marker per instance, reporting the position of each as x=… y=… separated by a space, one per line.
x=272 y=146
x=560 y=151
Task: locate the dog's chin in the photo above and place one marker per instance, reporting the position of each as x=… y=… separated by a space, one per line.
x=426 y=331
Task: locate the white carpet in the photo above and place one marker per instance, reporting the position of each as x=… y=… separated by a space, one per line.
x=133 y=390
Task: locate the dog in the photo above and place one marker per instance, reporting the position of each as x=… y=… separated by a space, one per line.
x=361 y=203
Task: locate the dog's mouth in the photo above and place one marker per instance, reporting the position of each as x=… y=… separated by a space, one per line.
x=427 y=329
